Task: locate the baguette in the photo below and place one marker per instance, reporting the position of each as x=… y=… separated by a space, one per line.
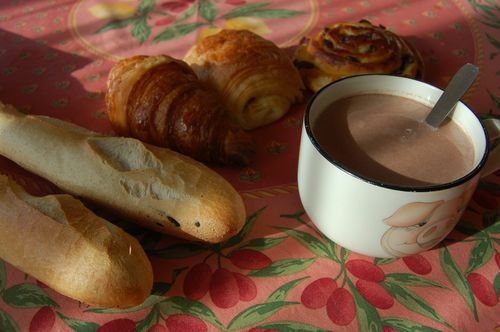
x=60 y=242
x=155 y=187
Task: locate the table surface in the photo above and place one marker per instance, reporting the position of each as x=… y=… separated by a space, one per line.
x=54 y=60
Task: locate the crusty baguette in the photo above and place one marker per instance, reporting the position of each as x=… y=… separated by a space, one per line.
x=60 y=242
x=155 y=187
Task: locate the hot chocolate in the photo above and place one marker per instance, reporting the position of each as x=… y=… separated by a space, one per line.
x=383 y=137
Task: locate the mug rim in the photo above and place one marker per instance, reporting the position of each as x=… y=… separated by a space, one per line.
x=420 y=188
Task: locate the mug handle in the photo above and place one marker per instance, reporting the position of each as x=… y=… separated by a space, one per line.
x=492 y=126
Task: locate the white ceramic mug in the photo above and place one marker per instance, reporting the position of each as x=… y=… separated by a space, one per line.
x=373 y=218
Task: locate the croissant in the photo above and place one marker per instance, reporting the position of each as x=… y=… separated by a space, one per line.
x=255 y=78
x=347 y=49
x=160 y=100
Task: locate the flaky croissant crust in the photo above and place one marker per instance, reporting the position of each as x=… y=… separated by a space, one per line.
x=160 y=100
x=254 y=77
x=347 y=49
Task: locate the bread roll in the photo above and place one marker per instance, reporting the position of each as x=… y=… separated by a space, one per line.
x=255 y=79
x=348 y=49
x=58 y=241
x=160 y=100
x=154 y=187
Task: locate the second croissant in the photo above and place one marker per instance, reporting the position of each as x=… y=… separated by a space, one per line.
x=159 y=100
x=255 y=79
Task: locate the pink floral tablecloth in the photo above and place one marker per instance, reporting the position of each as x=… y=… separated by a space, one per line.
x=279 y=273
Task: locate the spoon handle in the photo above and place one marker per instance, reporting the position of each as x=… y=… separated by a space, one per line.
x=458 y=85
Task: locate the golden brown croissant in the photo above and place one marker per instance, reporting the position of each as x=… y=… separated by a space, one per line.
x=255 y=78
x=160 y=100
x=347 y=49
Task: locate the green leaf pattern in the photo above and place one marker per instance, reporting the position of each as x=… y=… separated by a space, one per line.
x=489 y=15
x=208 y=15
x=457 y=278
x=413 y=302
x=257 y=313
x=368 y=317
x=7 y=323
x=27 y=295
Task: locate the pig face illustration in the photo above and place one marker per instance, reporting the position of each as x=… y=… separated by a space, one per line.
x=419 y=226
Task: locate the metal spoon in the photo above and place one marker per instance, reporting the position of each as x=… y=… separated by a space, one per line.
x=458 y=85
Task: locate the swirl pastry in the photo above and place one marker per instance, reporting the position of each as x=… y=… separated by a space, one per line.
x=255 y=78
x=347 y=49
x=160 y=100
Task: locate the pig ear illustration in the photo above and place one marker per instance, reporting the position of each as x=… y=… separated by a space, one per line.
x=412 y=214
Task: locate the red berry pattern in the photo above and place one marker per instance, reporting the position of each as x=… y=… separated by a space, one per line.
x=340 y=307
x=121 y=324
x=418 y=264
x=317 y=292
x=483 y=289
x=339 y=302
x=223 y=289
x=43 y=320
x=197 y=281
x=176 y=6
x=226 y=288
x=165 y=21
x=365 y=270
x=246 y=287
x=375 y=294
x=250 y=259
x=182 y=323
